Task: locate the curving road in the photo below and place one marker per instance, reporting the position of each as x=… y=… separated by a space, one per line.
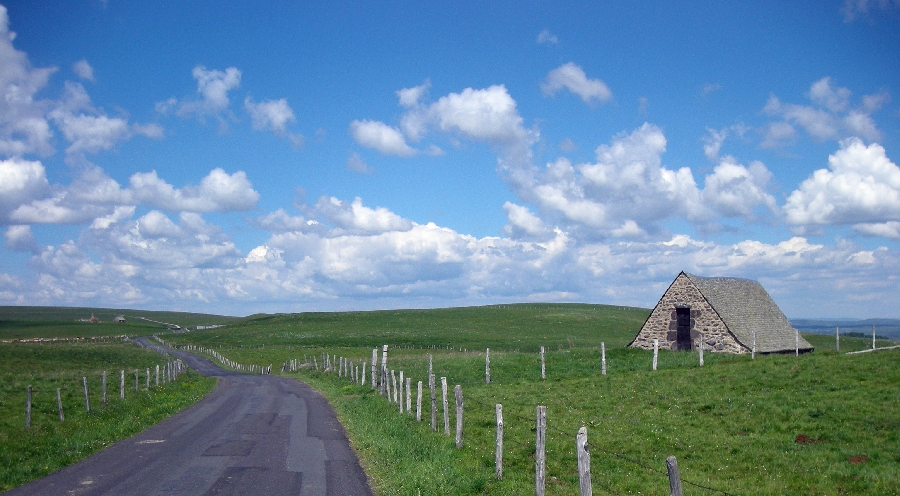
x=252 y=435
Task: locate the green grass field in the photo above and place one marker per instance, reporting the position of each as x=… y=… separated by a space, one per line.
x=27 y=454
x=823 y=423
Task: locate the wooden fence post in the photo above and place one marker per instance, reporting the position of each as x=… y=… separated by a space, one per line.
x=87 y=399
x=674 y=478
x=28 y=408
x=400 y=391
x=374 y=364
x=602 y=358
x=157 y=375
x=655 y=352
x=408 y=396
x=419 y=403
x=498 y=453
x=837 y=339
x=753 y=350
x=103 y=387
x=797 y=341
x=459 y=415
x=701 y=350
x=148 y=378
x=59 y=407
x=384 y=369
x=432 y=387
x=121 y=384
x=584 y=462
x=392 y=393
x=362 y=378
x=540 y=444
x=444 y=399
x=543 y=365
x=873 y=336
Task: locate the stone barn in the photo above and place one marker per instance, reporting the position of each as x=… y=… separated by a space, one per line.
x=725 y=312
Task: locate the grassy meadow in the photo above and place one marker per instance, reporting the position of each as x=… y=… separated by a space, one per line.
x=27 y=454
x=823 y=423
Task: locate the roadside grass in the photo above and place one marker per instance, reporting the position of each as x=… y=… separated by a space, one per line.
x=28 y=454
x=823 y=422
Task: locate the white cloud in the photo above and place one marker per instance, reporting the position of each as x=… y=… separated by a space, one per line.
x=571 y=77
x=273 y=115
x=213 y=87
x=21 y=181
x=83 y=70
x=358 y=218
x=381 y=137
x=831 y=117
x=712 y=143
x=735 y=191
x=217 y=192
x=545 y=37
x=19 y=238
x=889 y=229
x=860 y=186
x=410 y=97
x=522 y=222
x=854 y=9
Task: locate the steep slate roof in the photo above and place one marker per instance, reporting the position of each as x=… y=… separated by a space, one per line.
x=745 y=306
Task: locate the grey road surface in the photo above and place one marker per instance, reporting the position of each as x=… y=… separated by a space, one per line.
x=252 y=435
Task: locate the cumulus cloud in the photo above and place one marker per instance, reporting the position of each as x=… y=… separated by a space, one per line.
x=19 y=238
x=379 y=136
x=571 y=77
x=411 y=97
x=523 y=223
x=830 y=117
x=217 y=192
x=273 y=115
x=734 y=190
x=861 y=186
x=213 y=87
x=358 y=218
x=21 y=182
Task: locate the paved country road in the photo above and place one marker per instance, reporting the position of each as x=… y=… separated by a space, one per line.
x=252 y=435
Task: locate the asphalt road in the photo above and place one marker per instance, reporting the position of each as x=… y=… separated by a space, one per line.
x=252 y=435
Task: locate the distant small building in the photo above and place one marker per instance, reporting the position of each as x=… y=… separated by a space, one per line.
x=120 y=318
x=94 y=320
x=728 y=314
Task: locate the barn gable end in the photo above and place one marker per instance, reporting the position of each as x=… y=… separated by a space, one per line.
x=704 y=320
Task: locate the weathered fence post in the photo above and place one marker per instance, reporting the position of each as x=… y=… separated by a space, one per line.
x=362 y=377
x=602 y=358
x=157 y=375
x=103 y=387
x=136 y=386
x=543 y=365
x=432 y=386
x=873 y=336
x=446 y=412
x=498 y=453
x=584 y=462
x=400 y=391
x=797 y=341
x=457 y=391
x=384 y=369
x=701 y=350
x=540 y=465
x=655 y=352
x=392 y=393
x=419 y=403
x=87 y=399
x=59 y=407
x=148 y=378
x=408 y=396
x=753 y=350
x=487 y=366
x=28 y=408
x=674 y=478
x=837 y=339
x=374 y=364
x=122 y=384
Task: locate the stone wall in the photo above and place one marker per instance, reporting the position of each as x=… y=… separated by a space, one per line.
x=662 y=323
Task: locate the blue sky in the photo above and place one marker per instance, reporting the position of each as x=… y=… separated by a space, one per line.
x=241 y=157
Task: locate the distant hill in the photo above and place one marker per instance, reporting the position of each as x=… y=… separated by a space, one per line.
x=884 y=328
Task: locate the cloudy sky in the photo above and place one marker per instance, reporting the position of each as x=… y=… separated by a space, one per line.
x=238 y=157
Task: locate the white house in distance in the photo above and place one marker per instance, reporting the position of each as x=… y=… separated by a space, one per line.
x=727 y=313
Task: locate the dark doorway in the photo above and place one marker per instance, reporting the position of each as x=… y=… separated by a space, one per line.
x=683 y=333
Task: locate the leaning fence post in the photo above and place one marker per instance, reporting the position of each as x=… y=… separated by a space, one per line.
x=444 y=399
x=28 y=408
x=674 y=479
x=540 y=443
x=602 y=358
x=459 y=415
x=584 y=462
x=498 y=456
x=87 y=399
x=655 y=352
x=59 y=407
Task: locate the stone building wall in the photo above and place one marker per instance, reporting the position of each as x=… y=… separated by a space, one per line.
x=662 y=323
